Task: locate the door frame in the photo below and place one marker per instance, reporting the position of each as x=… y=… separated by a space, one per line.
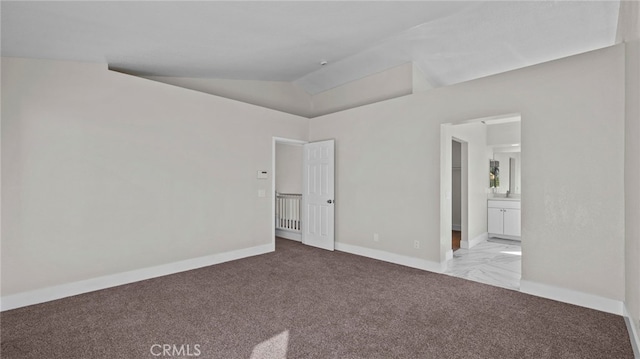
x=275 y=140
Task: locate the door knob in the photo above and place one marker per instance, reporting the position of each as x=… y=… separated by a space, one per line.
x=329 y=201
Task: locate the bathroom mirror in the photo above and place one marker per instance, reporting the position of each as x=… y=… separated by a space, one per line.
x=508 y=172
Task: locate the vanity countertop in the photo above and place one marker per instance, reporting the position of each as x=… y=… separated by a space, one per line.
x=504 y=199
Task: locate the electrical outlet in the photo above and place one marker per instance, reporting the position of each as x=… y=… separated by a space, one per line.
x=416 y=244
x=376 y=237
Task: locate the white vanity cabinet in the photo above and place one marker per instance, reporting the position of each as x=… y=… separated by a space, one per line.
x=503 y=219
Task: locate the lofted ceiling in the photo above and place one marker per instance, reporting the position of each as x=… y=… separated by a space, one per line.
x=449 y=41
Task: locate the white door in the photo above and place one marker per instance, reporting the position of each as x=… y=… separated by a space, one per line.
x=318 y=194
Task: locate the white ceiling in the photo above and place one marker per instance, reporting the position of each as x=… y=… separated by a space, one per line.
x=450 y=41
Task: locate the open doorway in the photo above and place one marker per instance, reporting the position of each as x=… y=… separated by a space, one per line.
x=287 y=188
x=456 y=193
x=303 y=192
x=484 y=202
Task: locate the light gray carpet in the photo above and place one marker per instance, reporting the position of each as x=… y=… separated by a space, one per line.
x=309 y=303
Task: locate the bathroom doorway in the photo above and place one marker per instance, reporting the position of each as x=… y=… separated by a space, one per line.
x=480 y=141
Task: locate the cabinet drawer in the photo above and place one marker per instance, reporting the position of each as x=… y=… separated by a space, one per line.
x=504 y=204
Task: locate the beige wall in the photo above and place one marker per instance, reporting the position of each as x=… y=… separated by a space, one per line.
x=420 y=82
x=503 y=134
x=629 y=31
x=475 y=136
x=388 y=168
x=632 y=182
x=288 y=97
x=288 y=168
x=104 y=173
x=394 y=82
x=277 y=95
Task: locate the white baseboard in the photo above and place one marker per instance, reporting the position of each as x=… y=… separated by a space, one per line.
x=475 y=241
x=392 y=257
x=572 y=297
x=504 y=236
x=448 y=255
x=456 y=227
x=294 y=236
x=634 y=332
x=89 y=285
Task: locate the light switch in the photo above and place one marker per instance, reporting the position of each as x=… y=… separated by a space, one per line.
x=262 y=174
x=262 y=193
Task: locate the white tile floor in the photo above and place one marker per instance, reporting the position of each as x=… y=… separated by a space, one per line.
x=496 y=262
